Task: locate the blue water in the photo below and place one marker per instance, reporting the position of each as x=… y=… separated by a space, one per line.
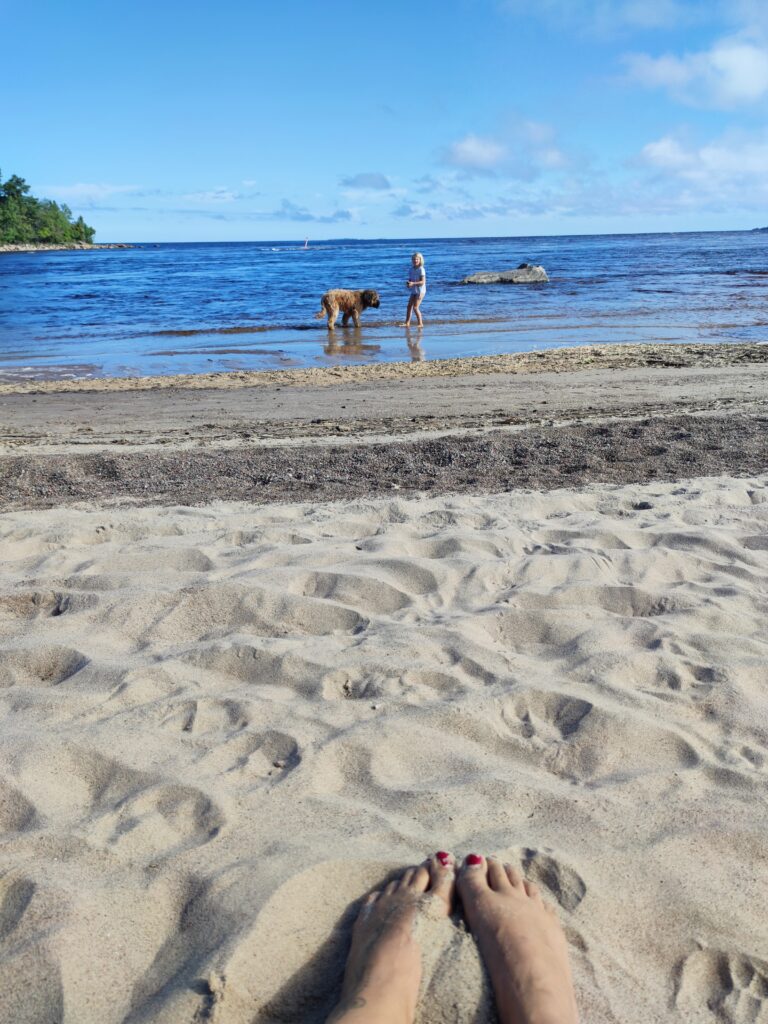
x=195 y=307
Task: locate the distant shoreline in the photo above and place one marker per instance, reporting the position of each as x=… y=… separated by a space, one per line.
x=34 y=247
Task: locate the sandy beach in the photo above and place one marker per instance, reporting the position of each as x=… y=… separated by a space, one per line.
x=267 y=640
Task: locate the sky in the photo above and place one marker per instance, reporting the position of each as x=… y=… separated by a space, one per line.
x=247 y=120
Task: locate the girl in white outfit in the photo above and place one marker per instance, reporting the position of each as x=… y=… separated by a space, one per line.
x=417 y=283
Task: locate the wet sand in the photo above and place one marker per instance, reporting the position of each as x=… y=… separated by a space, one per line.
x=553 y=419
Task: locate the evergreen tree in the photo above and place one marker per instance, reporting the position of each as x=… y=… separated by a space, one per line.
x=26 y=220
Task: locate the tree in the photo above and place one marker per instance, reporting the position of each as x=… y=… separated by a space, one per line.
x=27 y=220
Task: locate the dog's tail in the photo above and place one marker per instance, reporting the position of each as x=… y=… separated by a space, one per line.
x=320 y=315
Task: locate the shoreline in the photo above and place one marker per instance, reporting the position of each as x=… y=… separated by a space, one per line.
x=561 y=418
x=73 y=246
x=560 y=360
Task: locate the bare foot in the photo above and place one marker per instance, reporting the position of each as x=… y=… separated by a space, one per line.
x=383 y=972
x=521 y=943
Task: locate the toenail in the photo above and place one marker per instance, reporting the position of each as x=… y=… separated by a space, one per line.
x=474 y=859
x=443 y=857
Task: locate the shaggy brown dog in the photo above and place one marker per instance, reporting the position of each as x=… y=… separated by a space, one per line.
x=351 y=304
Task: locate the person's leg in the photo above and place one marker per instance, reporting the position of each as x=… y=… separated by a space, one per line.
x=521 y=943
x=383 y=972
x=409 y=310
x=417 y=310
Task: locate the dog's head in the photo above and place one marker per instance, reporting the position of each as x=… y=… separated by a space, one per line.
x=370 y=298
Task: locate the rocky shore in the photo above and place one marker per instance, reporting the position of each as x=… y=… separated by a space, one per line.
x=33 y=247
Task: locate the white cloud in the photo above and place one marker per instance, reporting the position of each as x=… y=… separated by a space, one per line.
x=474 y=153
x=523 y=150
x=213 y=195
x=730 y=172
x=667 y=154
x=733 y=72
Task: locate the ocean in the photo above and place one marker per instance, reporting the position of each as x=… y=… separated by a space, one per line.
x=202 y=307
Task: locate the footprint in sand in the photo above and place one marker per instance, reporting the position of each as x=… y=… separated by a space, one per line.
x=43 y=666
x=271 y=670
x=588 y=743
x=160 y=821
x=733 y=986
x=564 y=884
x=206 y=715
x=131 y=812
x=219 y=609
x=365 y=594
x=410 y=685
x=252 y=756
x=31 y=604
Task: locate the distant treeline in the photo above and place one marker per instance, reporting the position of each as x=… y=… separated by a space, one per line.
x=25 y=220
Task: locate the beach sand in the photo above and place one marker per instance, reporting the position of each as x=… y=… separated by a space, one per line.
x=225 y=722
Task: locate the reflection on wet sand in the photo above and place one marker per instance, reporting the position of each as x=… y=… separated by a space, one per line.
x=413 y=340
x=348 y=343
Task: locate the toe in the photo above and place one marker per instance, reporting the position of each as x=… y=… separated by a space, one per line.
x=515 y=876
x=404 y=882
x=419 y=881
x=497 y=876
x=442 y=878
x=533 y=891
x=473 y=877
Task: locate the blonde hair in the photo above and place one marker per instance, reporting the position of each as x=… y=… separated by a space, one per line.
x=419 y=257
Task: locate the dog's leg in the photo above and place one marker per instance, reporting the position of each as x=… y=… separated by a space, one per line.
x=333 y=312
x=345 y=320
x=356 y=317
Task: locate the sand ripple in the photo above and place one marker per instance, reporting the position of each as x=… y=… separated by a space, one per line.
x=222 y=725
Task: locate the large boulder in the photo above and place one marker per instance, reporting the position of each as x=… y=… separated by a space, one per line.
x=526 y=273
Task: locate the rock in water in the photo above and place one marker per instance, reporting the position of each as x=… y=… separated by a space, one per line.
x=526 y=273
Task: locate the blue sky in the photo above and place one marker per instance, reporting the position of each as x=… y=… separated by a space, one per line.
x=245 y=120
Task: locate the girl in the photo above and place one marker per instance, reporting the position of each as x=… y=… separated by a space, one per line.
x=417 y=283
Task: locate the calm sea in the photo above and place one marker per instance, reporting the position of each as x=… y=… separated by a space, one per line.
x=194 y=307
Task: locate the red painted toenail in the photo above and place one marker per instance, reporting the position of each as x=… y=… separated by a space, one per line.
x=473 y=859
x=444 y=858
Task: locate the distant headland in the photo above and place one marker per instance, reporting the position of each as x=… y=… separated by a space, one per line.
x=28 y=224
x=52 y=247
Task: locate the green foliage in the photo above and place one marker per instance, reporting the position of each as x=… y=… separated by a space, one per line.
x=27 y=220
